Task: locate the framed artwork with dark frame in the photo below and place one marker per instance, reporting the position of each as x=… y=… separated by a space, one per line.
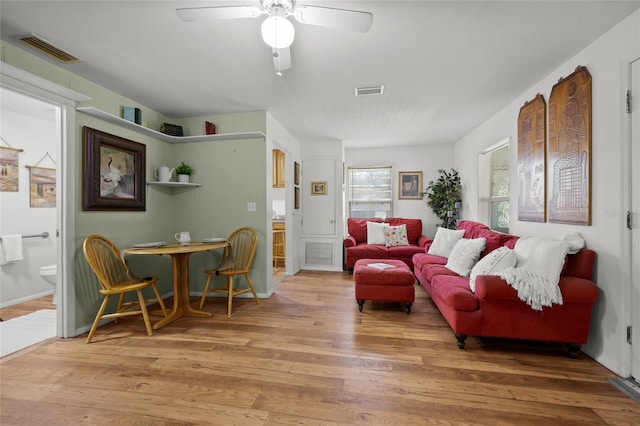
x=532 y=142
x=296 y=197
x=114 y=172
x=319 y=188
x=410 y=185
x=569 y=150
x=296 y=173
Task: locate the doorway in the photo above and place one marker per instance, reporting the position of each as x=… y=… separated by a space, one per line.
x=64 y=102
x=635 y=220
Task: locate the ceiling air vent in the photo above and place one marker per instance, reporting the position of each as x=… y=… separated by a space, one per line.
x=369 y=90
x=44 y=46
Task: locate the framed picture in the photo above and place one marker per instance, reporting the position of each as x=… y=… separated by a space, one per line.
x=9 y=176
x=296 y=197
x=296 y=173
x=42 y=187
x=569 y=150
x=532 y=142
x=409 y=185
x=318 y=188
x=114 y=172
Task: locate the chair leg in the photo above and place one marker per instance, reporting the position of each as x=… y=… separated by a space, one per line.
x=253 y=290
x=145 y=314
x=230 y=295
x=204 y=292
x=98 y=317
x=159 y=299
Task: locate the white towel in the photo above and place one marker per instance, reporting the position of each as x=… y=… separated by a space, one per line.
x=11 y=248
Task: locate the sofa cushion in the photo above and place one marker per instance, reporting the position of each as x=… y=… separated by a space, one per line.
x=395 y=235
x=431 y=271
x=492 y=264
x=414 y=227
x=369 y=251
x=403 y=252
x=455 y=292
x=444 y=241
x=357 y=228
x=375 y=233
x=464 y=255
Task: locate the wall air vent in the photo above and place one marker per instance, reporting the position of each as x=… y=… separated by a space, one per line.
x=369 y=90
x=44 y=46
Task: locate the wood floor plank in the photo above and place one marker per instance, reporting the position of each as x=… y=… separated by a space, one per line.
x=305 y=356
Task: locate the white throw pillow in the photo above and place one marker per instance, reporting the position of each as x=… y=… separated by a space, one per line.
x=465 y=254
x=492 y=264
x=375 y=233
x=444 y=241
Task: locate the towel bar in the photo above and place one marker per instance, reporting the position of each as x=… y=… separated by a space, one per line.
x=43 y=235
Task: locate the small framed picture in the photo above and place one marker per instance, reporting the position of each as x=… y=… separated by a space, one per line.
x=409 y=185
x=318 y=188
x=296 y=173
x=296 y=197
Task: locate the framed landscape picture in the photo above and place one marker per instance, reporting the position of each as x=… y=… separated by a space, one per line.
x=42 y=187
x=114 y=172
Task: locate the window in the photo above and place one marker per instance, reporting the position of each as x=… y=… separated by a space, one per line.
x=370 y=192
x=494 y=189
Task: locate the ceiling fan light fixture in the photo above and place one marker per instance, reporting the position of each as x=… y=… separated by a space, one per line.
x=277 y=32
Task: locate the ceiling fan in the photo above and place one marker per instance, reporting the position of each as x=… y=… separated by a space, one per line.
x=277 y=31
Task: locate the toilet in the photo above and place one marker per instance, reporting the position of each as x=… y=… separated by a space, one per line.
x=50 y=275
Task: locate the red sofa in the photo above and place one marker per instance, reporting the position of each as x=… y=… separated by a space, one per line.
x=356 y=247
x=495 y=310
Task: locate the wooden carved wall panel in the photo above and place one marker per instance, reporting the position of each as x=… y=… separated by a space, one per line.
x=569 y=150
x=532 y=138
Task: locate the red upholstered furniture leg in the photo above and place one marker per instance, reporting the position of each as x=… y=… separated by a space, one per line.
x=387 y=285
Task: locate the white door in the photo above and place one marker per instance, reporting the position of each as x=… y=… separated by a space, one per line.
x=319 y=195
x=635 y=232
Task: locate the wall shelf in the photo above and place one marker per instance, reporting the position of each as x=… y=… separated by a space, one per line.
x=94 y=112
x=175 y=184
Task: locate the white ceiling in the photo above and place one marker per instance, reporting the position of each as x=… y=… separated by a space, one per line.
x=446 y=65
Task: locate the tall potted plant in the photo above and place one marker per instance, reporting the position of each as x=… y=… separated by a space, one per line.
x=442 y=196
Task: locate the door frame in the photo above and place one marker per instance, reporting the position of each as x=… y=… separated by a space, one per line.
x=21 y=81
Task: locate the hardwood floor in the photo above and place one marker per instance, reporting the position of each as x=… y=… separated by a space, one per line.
x=306 y=356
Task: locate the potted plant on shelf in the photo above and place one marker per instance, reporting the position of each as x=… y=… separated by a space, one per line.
x=443 y=196
x=184 y=170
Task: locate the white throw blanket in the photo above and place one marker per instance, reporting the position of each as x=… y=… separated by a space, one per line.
x=537 y=271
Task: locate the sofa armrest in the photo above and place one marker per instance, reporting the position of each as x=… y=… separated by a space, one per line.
x=349 y=242
x=427 y=246
x=423 y=241
x=573 y=289
x=494 y=287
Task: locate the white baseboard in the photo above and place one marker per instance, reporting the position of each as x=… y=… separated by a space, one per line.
x=25 y=299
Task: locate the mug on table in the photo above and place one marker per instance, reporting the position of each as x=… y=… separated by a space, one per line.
x=183 y=237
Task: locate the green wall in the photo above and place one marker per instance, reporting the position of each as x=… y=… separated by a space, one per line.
x=232 y=173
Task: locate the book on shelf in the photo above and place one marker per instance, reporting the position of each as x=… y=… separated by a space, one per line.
x=210 y=128
x=381 y=266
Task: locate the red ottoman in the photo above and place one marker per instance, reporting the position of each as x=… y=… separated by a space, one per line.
x=388 y=285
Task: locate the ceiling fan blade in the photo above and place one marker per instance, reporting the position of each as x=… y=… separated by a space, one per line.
x=353 y=20
x=281 y=60
x=191 y=14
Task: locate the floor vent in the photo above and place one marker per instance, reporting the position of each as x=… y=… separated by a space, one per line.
x=44 y=46
x=369 y=90
x=320 y=254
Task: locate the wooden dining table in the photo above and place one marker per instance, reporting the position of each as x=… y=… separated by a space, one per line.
x=180 y=254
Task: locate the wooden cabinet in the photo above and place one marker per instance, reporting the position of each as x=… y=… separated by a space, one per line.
x=279 y=248
x=278 y=168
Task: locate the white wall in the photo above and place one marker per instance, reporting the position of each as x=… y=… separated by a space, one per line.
x=605 y=60
x=427 y=159
x=20 y=281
